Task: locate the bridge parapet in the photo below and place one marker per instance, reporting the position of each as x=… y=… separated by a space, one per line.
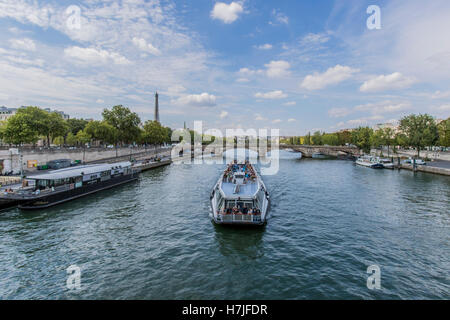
x=335 y=151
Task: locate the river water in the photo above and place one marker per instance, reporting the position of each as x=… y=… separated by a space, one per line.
x=153 y=239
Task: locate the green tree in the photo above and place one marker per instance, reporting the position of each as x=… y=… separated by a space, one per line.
x=102 y=131
x=20 y=129
x=71 y=139
x=420 y=130
x=75 y=125
x=83 y=137
x=54 y=126
x=344 y=137
x=444 y=133
x=362 y=138
x=58 y=140
x=307 y=139
x=330 y=139
x=154 y=133
x=125 y=121
x=317 y=138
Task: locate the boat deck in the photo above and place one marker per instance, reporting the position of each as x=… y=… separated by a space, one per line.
x=246 y=190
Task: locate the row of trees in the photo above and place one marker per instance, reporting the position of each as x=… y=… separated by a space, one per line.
x=119 y=126
x=418 y=131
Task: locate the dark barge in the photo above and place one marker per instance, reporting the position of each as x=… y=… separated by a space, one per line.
x=59 y=186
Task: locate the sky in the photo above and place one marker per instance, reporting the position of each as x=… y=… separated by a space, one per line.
x=299 y=66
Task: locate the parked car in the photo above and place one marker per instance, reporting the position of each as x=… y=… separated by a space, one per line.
x=59 y=164
x=418 y=161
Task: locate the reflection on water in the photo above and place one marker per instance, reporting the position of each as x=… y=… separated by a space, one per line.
x=236 y=242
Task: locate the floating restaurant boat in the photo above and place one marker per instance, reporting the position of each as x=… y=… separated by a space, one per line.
x=240 y=196
x=59 y=186
x=369 y=162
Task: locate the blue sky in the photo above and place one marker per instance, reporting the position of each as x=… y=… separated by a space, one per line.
x=294 y=65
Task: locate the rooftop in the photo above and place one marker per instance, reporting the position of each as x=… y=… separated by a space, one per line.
x=78 y=171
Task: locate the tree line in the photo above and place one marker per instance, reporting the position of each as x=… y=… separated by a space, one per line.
x=119 y=126
x=417 y=131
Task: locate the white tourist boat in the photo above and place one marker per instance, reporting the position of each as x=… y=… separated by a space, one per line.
x=240 y=197
x=369 y=162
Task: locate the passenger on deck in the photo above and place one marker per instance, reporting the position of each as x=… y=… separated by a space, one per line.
x=245 y=210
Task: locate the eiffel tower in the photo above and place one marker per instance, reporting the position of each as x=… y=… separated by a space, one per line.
x=156 y=108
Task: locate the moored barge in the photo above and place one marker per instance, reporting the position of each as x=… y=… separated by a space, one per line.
x=59 y=186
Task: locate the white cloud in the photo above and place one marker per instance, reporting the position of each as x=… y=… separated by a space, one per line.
x=228 y=13
x=260 y=117
x=266 y=46
x=23 y=44
x=202 y=100
x=101 y=101
x=440 y=95
x=279 y=17
x=95 y=56
x=315 y=38
x=384 y=107
x=386 y=82
x=223 y=114
x=339 y=112
x=277 y=94
x=144 y=46
x=332 y=76
x=290 y=103
x=276 y=121
x=277 y=69
x=249 y=72
x=444 y=107
x=292 y=120
x=242 y=80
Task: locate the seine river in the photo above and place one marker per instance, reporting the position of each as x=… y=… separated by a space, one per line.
x=153 y=239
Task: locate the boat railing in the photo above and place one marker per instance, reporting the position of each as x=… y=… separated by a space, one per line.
x=30 y=193
x=240 y=218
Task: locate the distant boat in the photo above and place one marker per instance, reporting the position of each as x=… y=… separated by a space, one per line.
x=387 y=163
x=369 y=162
x=240 y=196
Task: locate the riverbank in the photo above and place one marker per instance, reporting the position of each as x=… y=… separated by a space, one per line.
x=435 y=167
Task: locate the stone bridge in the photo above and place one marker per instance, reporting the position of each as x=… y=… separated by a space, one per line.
x=334 y=151
x=307 y=151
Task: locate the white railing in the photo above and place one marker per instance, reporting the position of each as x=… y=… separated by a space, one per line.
x=239 y=218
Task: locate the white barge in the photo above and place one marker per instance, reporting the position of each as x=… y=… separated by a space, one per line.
x=240 y=197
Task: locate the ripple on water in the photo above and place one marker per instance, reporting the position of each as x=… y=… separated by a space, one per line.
x=153 y=239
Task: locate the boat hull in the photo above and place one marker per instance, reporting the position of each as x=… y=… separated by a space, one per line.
x=51 y=200
x=370 y=165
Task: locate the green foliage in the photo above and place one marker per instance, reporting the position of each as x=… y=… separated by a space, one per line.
x=444 y=133
x=82 y=137
x=317 y=138
x=420 y=130
x=102 y=131
x=154 y=133
x=307 y=140
x=75 y=125
x=330 y=139
x=362 y=138
x=20 y=129
x=125 y=121
x=71 y=139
